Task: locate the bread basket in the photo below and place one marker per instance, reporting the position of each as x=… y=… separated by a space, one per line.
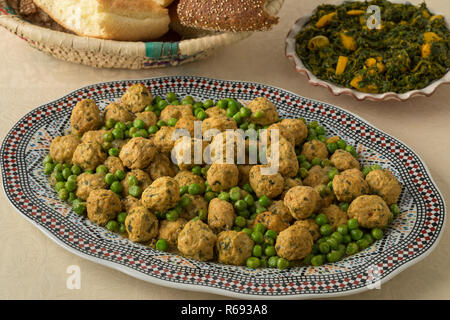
x=118 y=54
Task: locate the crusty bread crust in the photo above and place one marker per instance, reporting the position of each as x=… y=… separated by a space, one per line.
x=131 y=20
x=226 y=15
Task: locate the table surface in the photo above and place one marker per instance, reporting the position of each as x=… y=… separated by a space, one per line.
x=33 y=267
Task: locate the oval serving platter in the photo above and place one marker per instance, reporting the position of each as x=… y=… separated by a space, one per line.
x=412 y=236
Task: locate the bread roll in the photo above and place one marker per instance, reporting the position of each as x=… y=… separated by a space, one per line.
x=131 y=20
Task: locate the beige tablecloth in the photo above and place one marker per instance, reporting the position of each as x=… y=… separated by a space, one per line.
x=32 y=266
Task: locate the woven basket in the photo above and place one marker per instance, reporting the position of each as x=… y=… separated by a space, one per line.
x=118 y=54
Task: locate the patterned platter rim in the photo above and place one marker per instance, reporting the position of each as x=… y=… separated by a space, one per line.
x=210 y=277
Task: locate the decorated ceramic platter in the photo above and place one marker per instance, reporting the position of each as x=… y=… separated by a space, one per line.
x=413 y=235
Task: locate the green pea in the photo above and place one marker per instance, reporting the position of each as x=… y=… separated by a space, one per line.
x=110 y=178
x=260 y=210
x=391 y=218
x=121 y=217
x=172 y=215
x=264 y=201
x=209 y=196
x=106 y=145
x=253 y=263
x=79 y=206
x=366 y=170
x=282 y=264
x=108 y=137
x=59 y=185
x=114 y=152
x=132 y=181
x=201 y=115
x=321 y=219
x=194 y=189
x=71 y=186
x=244 y=213
x=306 y=165
x=325 y=163
x=202 y=215
x=235 y=194
x=185 y=201
x=302 y=172
x=352 y=248
x=324 y=248
x=247 y=188
x=222 y=104
x=162 y=105
x=313 y=124
x=259 y=227
x=47 y=159
x=171 y=96
x=341 y=144
x=135 y=191
x=270 y=251
x=101 y=169
x=316 y=162
x=149 y=108
x=257 y=251
x=325 y=230
x=63 y=194
x=271 y=234
x=172 y=122
x=112 y=226
x=118 y=134
x=320 y=130
x=66 y=172
x=352 y=224
x=333 y=172
x=120 y=174
x=240 y=221
x=337 y=236
x=332 y=243
x=89 y=171
x=333 y=256
x=356 y=234
x=323 y=190
x=72 y=197
x=162 y=245
x=238 y=118
x=231 y=111
x=116 y=187
x=58 y=167
x=273 y=261
x=197 y=170
x=161 y=123
x=269 y=241
x=48 y=168
x=363 y=243
x=377 y=233
x=344 y=206
x=368 y=237
x=153 y=129
x=122 y=228
x=208 y=103
x=258 y=114
x=245 y=112
x=76 y=170
x=346 y=238
x=257 y=237
x=342 y=229
x=188 y=100
x=224 y=196
x=240 y=205
x=395 y=209
x=317 y=260
x=332 y=147
x=351 y=150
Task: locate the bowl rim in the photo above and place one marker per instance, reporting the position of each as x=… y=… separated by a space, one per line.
x=208 y=289
x=297 y=63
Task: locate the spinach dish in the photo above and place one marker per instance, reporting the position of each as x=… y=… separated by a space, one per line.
x=319 y=206
x=408 y=50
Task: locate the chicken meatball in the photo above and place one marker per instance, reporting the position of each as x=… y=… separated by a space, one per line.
x=302 y=201
x=263 y=110
x=244 y=171
x=294 y=243
x=186 y=178
x=278 y=208
x=384 y=184
x=311 y=226
x=335 y=215
x=216 y=112
x=85 y=116
x=161 y=166
x=118 y=113
x=161 y=195
x=114 y=164
x=316 y=176
x=137 y=153
x=102 y=206
x=197 y=204
x=62 y=148
x=141 y=224
x=348 y=186
x=129 y=202
x=148 y=117
x=344 y=160
x=282 y=132
x=218 y=123
x=234 y=248
x=185 y=150
x=142 y=177
x=88 y=155
x=222 y=176
x=371 y=211
x=176 y=112
x=271 y=221
x=314 y=149
x=87 y=182
x=287 y=159
x=164 y=139
x=197 y=241
x=94 y=136
x=290 y=183
x=268 y=185
x=136 y=98
x=169 y=230
x=298 y=129
x=187 y=123
x=220 y=215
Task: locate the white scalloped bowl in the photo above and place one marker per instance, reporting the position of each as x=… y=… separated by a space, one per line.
x=291 y=54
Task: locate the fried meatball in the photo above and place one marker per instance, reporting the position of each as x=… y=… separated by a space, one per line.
x=234 y=248
x=148 y=117
x=384 y=184
x=141 y=224
x=161 y=166
x=290 y=183
x=311 y=226
x=118 y=113
x=282 y=132
x=222 y=176
x=278 y=208
x=302 y=201
x=348 y=186
x=197 y=204
x=102 y=205
x=113 y=164
x=197 y=241
x=169 y=230
x=94 y=136
x=142 y=177
x=218 y=123
x=223 y=141
x=294 y=243
x=87 y=182
x=298 y=129
x=161 y=195
x=271 y=221
x=287 y=159
x=176 y=112
x=85 y=117
x=136 y=98
x=343 y=160
x=129 y=202
x=371 y=211
x=185 y=150
x=314 y=149
x=268 y=185
x=62 y=148
x=325 y=200
x=216 y=112
x=244 y=171
x=138 y=153
x=316 y=176
x=88 y=155
x=186 y=178
x=220 y=215
x=164 y=139
x=187 y=123
x=336 y=216
x=267 y=108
